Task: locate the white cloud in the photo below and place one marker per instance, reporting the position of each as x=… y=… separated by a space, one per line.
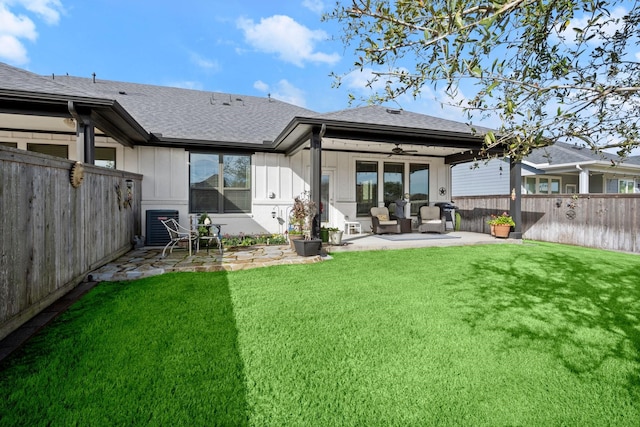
x=12 y=50
x=357 y=81
x=316 y=6
x=261 y=86
x=16 y=27
x=203 y=62
x=49 y=10
x=187 y=84
x=609 y=28
x=283 y=91
x=292 y=42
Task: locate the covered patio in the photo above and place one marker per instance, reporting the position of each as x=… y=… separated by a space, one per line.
x=378 y=132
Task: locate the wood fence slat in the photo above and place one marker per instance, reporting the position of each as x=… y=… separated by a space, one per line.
x=53 y=235
x=605 y=221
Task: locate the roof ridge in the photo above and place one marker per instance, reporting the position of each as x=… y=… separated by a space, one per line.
x=235 y=96
x=28 y=77
x=590 y=154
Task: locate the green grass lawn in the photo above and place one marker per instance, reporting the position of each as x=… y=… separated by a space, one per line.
x=533 y=334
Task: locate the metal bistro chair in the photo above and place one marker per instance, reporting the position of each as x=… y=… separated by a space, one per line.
x=177 y=234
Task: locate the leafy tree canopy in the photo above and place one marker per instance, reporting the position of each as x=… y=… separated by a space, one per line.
x=548 y=69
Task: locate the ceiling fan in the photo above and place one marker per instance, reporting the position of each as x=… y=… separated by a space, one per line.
x=398 y=150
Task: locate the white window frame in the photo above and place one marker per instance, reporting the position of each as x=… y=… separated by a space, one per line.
x=538 y=179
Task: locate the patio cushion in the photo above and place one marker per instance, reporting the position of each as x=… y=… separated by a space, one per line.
x=383 y=217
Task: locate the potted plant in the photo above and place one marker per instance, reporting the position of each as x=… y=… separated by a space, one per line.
x=294 y=235
x=203 y=223
x=302 y=215
x=501 y=225
x=324 y=234
x=335 y=236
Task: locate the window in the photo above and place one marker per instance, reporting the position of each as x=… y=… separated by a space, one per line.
x=626 y=186
x=325 y=188
x=620 y=185
x=50 y=149
x=418 y=186
x=542 y=185
x=10 y=144
x=393 y=179
x=220 y=183
x=105 y=157
x=366 y=187
x=530 y=185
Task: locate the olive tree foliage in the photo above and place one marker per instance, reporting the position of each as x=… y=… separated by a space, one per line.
x=548 y=69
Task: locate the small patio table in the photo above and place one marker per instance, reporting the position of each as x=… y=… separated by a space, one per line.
x=208 y=236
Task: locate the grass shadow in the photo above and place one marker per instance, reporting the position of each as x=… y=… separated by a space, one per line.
x=161 y=350
x=583 y=310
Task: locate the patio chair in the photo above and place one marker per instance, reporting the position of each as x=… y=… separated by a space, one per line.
x=177 y=234
x=431 y=220
x=382 y=223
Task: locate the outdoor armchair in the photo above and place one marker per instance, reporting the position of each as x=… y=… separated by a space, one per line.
x=431 y=219
x=382 y=223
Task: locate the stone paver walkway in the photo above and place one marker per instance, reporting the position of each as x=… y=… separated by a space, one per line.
x=147 y=262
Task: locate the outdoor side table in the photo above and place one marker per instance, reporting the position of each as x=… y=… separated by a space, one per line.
x=405 y=225
x=351 y=227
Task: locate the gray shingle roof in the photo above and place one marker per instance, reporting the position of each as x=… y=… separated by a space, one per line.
x=380 y=115
x=195 y=115
x=633 y=160
x=12 y=78
x=186 y=114
x=563 y=153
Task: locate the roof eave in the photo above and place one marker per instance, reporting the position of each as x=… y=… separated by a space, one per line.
x=297 y=133
x=108 y=115
x=158 y=140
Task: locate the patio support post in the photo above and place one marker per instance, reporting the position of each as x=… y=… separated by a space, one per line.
x=316 y=177
x=583 y=181
x=85 y=136
x=515 y=206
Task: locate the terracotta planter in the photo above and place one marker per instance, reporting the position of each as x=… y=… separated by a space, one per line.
x=502 y=230
x=294 y=237
x=493 y=229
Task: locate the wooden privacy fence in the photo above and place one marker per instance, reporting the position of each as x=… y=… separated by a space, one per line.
x=53 y=234
x=604 y=221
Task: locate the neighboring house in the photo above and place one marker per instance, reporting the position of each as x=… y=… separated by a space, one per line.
x=241 y=159
x=556 y=169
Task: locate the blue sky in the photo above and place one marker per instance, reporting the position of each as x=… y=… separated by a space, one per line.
x=247 y=47
x=244 y=47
